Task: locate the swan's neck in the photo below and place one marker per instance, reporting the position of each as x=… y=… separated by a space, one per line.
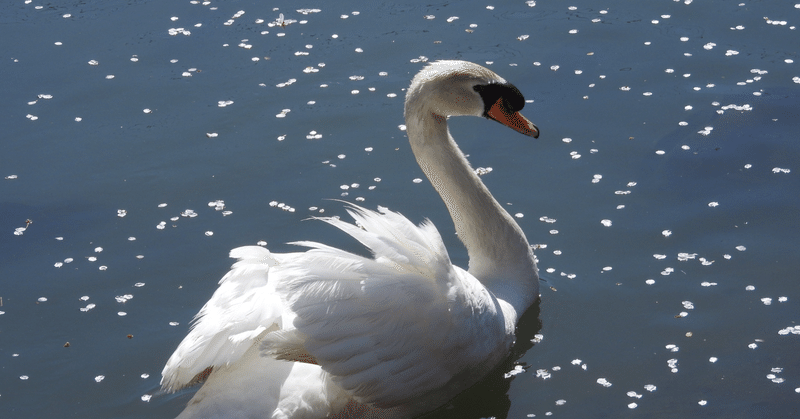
x=499 y=254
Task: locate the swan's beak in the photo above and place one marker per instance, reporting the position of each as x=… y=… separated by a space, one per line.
x=513 y=120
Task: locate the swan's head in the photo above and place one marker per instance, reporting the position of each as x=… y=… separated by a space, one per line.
x=454 y=88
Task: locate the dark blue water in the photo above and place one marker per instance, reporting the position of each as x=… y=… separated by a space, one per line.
x=674 y=245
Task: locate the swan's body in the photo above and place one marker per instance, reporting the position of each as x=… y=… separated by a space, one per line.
x=329 y=333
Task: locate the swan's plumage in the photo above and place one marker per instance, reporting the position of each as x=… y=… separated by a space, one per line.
x=311 y=333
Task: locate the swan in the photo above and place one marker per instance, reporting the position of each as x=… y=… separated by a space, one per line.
x=327 y=333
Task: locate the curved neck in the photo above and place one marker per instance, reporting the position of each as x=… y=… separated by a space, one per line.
x=499 y=254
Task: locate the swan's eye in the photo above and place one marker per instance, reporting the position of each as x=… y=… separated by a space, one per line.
x=490 y=93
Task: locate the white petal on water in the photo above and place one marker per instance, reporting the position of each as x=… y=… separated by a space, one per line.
x=123 y=298
x=666 y=233
x=99 y=378
x=603 y=382
x=673 y=365
x=606 y=222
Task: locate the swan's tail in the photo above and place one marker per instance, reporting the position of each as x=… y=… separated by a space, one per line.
x=242 y=310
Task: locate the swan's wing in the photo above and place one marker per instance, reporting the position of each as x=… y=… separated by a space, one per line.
x=242 y=310
x=392 y=328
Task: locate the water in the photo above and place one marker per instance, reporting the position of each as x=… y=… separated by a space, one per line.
x=670 y=270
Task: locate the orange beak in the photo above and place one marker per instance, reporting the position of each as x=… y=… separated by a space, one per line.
x=513 y=120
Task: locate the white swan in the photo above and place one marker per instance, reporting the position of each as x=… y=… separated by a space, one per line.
x=329 y=333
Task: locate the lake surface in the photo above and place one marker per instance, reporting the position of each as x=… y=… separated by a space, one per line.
x=145 y=139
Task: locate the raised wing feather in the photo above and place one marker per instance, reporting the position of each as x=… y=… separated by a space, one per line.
x=392 y=328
